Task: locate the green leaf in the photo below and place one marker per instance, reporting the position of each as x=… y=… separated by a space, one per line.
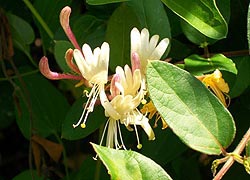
x=28 y=175
x=118 y=35
x=202 y=15
x=94 y=121
x=49 y=11
x=197 y=65
x=241 y=81
x=22 y=33
x=6 y=105
x=100 y=2
x=89 y=29
x=47 y=107
x=148 y=13
x=194 y=114
x=248 y=26
x=196 y=36
x=159 y=150
x=129 y=165
x=60 y=49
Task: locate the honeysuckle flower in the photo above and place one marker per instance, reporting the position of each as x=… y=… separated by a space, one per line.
x=217 y=84
x=147 y=49
x=94 y=68
x=127 y=94
x=150 y=109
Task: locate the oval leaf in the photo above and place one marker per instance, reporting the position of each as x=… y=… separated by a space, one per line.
x=47 y=105
x=202 y=15
x=194 y=114
x=118 y=35
x=148 y=13
x=197 y=65
x=129 y=165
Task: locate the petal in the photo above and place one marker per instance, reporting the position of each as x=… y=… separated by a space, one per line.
x=135 y=41
x=153 y=42
x=109 y=109
x=87 y=52
x=81 y=63
x=104 y=56
x=160 y=49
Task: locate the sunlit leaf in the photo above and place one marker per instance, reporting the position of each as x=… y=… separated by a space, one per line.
x=199 y=65
x=193 y=113
x=94 y=121
x=100 y=2
x=148 y=13
x=202 y=15
x=118 y=35
x=129 y=165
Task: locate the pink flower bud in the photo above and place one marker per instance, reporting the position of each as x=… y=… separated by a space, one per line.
x=135 y=61
x=64 y=20
x=45 y=70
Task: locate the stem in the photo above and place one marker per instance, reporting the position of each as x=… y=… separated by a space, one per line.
x=22 y=75
x=64 y=156
x=39 y=18
x=238 y=150
x=98 y=163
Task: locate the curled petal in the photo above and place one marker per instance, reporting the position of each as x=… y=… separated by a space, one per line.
x=64 y=20
x=69 y=61
x=45 y=70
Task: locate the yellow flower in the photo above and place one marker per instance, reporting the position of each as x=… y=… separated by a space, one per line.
x=150 y=109
x=217 y=84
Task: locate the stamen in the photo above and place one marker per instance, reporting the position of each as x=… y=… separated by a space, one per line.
x=92 y=97
x=104 y=130
x=120 y=134
x=139 y=145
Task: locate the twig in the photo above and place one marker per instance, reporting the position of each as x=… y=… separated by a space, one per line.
x=238 y=150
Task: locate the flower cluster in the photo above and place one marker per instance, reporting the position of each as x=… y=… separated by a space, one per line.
x=127 y=87
x=122 y=93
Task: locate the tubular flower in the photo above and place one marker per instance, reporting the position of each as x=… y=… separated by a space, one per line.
x=150 y=109
x=94 y=68
x=127 y=95
x=217 y=84
x=147 y=49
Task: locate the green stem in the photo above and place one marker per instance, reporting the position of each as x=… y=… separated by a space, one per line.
x=39 y=18
x=64 y=155
x=98 y=163
x=21 y=75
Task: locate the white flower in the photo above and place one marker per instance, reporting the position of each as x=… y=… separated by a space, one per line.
x=94 y=68
x=127 y=95
x=146 y=48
